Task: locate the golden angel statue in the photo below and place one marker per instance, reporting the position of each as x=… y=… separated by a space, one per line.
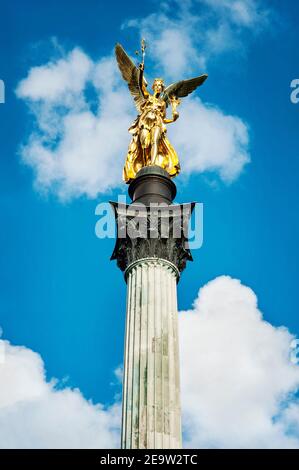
x=149 y=144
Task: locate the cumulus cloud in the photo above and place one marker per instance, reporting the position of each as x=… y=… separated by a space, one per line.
x=209 y=140
x=58 y=80
x=78 y=147
x=185 y=36
x=240 y=390
x=246 y=13
x=81 y=108
x=238 y=384
x=35 y=413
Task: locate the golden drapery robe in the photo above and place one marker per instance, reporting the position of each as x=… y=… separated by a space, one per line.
x=138 y=156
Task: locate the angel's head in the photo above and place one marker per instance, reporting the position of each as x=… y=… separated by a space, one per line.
x=158 y=85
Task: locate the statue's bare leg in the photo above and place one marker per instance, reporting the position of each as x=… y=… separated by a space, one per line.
x=156 y=134
x=144 y=143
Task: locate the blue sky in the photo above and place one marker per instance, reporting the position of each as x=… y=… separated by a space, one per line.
x=60 y=296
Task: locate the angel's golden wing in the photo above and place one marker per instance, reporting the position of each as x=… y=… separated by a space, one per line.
x=130 y=74
x=183 y=88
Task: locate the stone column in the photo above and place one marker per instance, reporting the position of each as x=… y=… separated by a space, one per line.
x=151 y=388
x=152 y=250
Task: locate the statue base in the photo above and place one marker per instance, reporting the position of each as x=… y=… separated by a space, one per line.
x=152 y=184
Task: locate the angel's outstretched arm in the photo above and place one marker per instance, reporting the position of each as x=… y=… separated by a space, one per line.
x=141 y=82
x=175 y=115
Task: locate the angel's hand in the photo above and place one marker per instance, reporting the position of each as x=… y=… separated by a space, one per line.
x=174 y=101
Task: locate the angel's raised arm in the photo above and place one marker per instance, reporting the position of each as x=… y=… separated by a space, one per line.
x=142 y=83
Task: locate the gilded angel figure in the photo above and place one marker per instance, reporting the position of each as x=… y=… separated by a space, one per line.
x=149 y=144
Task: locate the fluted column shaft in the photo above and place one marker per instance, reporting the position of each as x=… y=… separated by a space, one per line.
x=151 y=388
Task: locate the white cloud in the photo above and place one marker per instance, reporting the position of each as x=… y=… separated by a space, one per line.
x=209 y=140
x=76 y=150
x=36 y=414
x=78 y=146
x=246 y=13
x=82 y=108
x=184 y=37
x=239 y=392
x=58 y=79
x=170 y=42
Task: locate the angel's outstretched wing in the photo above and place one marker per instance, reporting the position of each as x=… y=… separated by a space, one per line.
x=183 y=88
x=130 y=74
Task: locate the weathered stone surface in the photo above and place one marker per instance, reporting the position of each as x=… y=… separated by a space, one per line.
x=151 y=388
x=152 y=232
